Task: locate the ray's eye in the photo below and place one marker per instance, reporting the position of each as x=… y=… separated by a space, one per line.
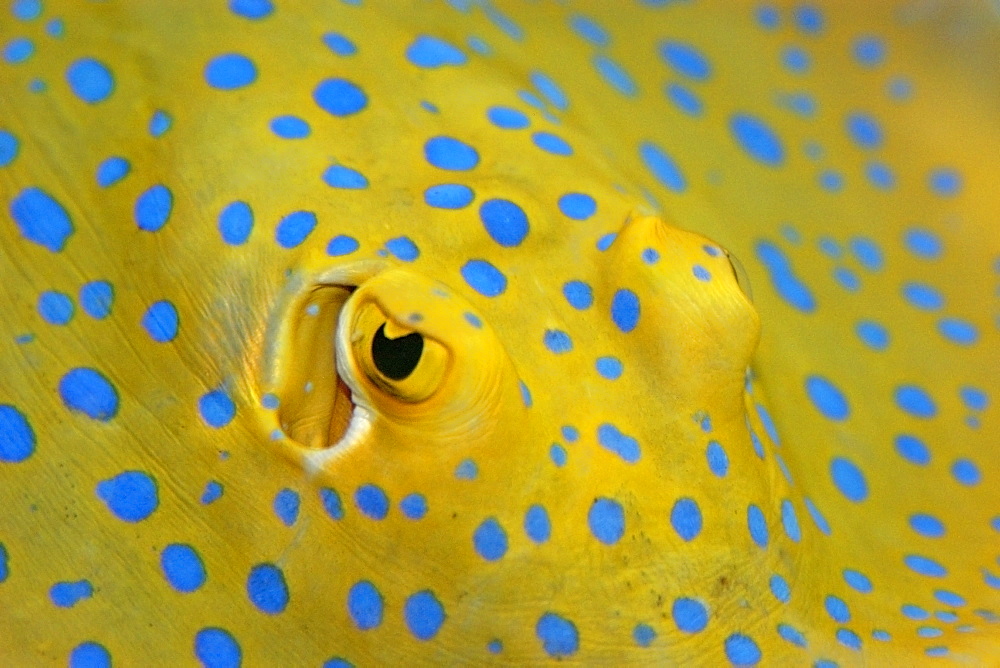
x=742 y=278
x=398 y=360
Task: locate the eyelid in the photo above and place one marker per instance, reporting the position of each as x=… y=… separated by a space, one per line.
x=742 y=277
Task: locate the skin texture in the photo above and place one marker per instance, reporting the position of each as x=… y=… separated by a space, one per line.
x=607 y=453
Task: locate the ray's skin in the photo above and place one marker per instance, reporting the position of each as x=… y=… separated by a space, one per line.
x=414 y=332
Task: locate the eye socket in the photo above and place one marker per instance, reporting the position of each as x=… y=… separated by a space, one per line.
x=742 y=278
x=398 y=360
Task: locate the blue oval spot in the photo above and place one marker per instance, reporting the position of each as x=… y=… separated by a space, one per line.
x=449 y=153
x=625 y=310
x=837 y=609
x=290 y=127
x=926 y=525
x=182 y=566
x=251 y=9
x=41 y=219
x=869 y=51
x=403 y=248
x=340 y=97
x=449 y=196
x=557 y=341
x=779 y=588
x=966 y=472
x=212 y=492
x=923 y=243
x=484 y=278
x=9 y=148
x=112 y=170
x=90 y=655
x=424 y=614
x=266 y=588
x=286 y=506
x=490 y=540
x=915 y=401
x=872 y=334
x=718 y=461
x=945 y=182
x=912 y=449
x=551 y=143
x=339 y=44
x=619 y=443
x=864 y=130
x=684 y=99
x=427 y=51
x=96 y=299
x=505 y=222
x=578 y=294
x=55 y=308
x=365 y=605
x=590 y=30
x=507 y=118
x=958 y=331
x=757 y=138
x=857 y=580
x=924 y=566
x=161 y=321
x=757 y=525
x=216 y=409
x=536 y=524
x=578 y=206
x=236 y=223
x=792 y=635
x=827 y=398
x=783 y=278
x=685 y=518
x=230 y=71
x=90 y=80
x=293 y=229
x=606 y=519
x=88 y=391
x=331 y=503
x=153 y=207
x=131 y=496
x=339 y=176
x=609 y=367
x=550 y=90
x=26 y=10
x=741 y=650
x=849 y=479
x=160 y=123
x=17 y=438
x=342 y=245
x=372 y=501
x=923 y=296
x=68 y=594
x=615 y=75
x=790 y=521
x=686 y=60
x=880 y=176
x=662 y=166
x=689 y=615
x=414 y=506
x=643 y=635
x=217 y=648
x=558 y=635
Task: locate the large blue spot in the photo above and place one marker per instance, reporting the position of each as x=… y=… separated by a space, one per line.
x=662 y=166
x=689 y=615
x=216 y=408
x=757 y=139
x=958 y=331
x=558 y=635
x=505 y=222
x=131 y=496
x=153 y=207
x=286 y=506
x=290 y=127
x=741 y=650
x=55 y=308
x=685 y=59
x=619 y=443
x=615 y=75
x=90 y=655
x=90 y=80
x=112 y=170
x=424 y=614
x=216 y=648
x=251 y=9
x=927 y=525
x=757 y=525
x=161 y=321
x=923 y=296
x=230 y=71
x=293 y=229
x=537 y=525
x=625 y=310
x=912 y=449
x=578 y=294
x=449 y=153
x=685 y=517
x=267 y=589
x=426 y=51
x=8 y=148
x=449 y=196
x=342 y=245
x=340 y=97
x=402 y=248
x=41 y=219
x=17 y=438
x=26 y=10
x=915 y=401
x=364 y=604
x=183 y=567
x=68 y=594
x=339 y=176
x=578 y=206
x=236 y=223
x=827 y=398
x=490 y=540
x=606 y=519
x=414 y=506
x=372 y=501
x=864 y=130
x=89 y=392
x=96 y=299
x=925 y=566
x=484 y=278
x=783 y=278
x=849 y=479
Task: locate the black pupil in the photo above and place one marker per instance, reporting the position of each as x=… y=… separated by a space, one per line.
x=396 y=358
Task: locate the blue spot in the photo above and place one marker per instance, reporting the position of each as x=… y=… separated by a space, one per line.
x=426 y=51
x=17 y=438
x=507 y=118
x=466 y=470
x=864 y=130
x=290 y=127
x=41 y=219
x=768 y=17
x=286 y=506
x=684 y=99
x=236 y=223
x=558 y=635
x=424 y=614
x=615 y=75
x=372 y=501
x=949 y=598
x=551 y=143
x=809 y=19
x=339 y=176
x=484 y=278
x=757 y=139
x=557 y=454
x=251 y=9
x=550 y=90
x=966 y=472
x=701 y=273
x=900 y=89
x=974 y=398
x=342 y=245
x=414 y=506
x=914 y=612
x=293 y=229
x=153 y=207
x=55 y=308
x=112 y=170
x=449 y=153
x=857 y=580
x=216 y=408
x=827 y=398
x=505 y=222
x=331 y=503
x=490 y=540
x=958 y=331
x=216 y=648
x=643 y=635
x=662 y=166
x=831 y=181
x=89 y=392
x=790 y=521
x=945 y=182
x=923 y=296
x=923 y=243
x=90 y=80
x=689 y=615
x=779 y=588
x=183 y=567
x=578 y=294
x=339 y=44
x=795 y=60
x=927 y=525
x=685 y=59
x=90 y=655
x=872 y=334
x=160 y=123
x=213 y=492
x=848 y=638
x=741 y=650
x=131 y=496
x=718 y=461
x=68 y=594
x=685 y=518
x=625 y=310
x=915 y=401
x=26 y=10
x=837 y=609
x=757 y=525
x=494 y=647
x=340 y=97
x=606 y=519
x=588 y=29
x=266 y=588
x=622 y=445
x=912 y=449
x=789 y=286
x=604 y=243
x=557 y=341
x=609 y=367
x=161 y=321
x=364 y=603
x=473 y=320
x=650 y=256
x=578 y=206
x=449 y=196
x=791 y=634
x=403 y=248
x=869 y=51
x=536 y=524
x=230 y=71
x=880 y=176
x=18 y=50
x=849 y=479
x=9 y=148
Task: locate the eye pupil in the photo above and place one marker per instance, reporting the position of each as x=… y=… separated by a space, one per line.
x=396 y=358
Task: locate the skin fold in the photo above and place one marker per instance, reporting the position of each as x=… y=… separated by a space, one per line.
x=424 y=332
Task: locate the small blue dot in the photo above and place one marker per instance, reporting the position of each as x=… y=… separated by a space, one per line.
x=779 y=588
x=294 y=228
x=17 y=438
x=686 y=60
x=286 y=506
x=958 y=331
x=757 y=525
x=41 y=219
x=849 y=479
x=90 y=655
x=924 y=566
x=402 y=248
x=615 y=75
x=966 y=472
x=414 y=506
x=490 y=540
x=923 y=296
x=857 y=580
x=537 y=525
x=757 y=139
x=923 y=243
x=625 y=310
x=339 y=44
x=912 y=449
x=848 y=638
x=342 y=245
x=551 y=143
x=68 y=594
x=339 y=176
x=89 y=392
x=505 y=222
x=662 y=166
x=331 y=503
x=945 y=182
x=55 y=308
x=606 y=519
x=589 y=29
x=230 y=71
x=236 y=223
x=9 y=148
x=579 y=294
x=864 y=130
x=827 y=398
x=578 y=206
x=927 y=525
x=742 y=650
x=643 y=635
x=290 y=127
x=557 y=454
x=112 y=170
x=790 y=521
x=837 y=609
x=557 y=341
x=869 y=51
x=718 y=461
x=874 y=335
x=507 y=118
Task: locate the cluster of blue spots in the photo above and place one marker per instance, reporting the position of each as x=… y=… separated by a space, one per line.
x=182 y=567
x=216 y=408
x=294 y=228
x=365 y=605
x=848 y=479
x=827 y=398
x=505 y=222
x=757 y=138
x=923 y=296
x=551 y=143
x=267 y=589
x=869 y=51
x=609 y=367
x=915 y=401
x=17 y=438
x=213 y=492
x=558 y=635
x=161 y=321
x=340 y=97
x=467 y=470
x=685 y=518
x=945 y=182
x=966 y=472
x=742 y=650
x=490 y=540
x=864 y=130
x=217 y=648
x=537 y=525
x=779 y=588
x=662 y=166
x=286 y=506
x=790 y=521
x=41 y=219
x=625 y=310
x=837 y=609
x=68 y=594
x=923 y=243
x=414 y=506
x=236 y=223
x=611 y=438
x=557 y=341
x=251 y=9
x=795 y=60
x=718 y=461
x=912 y=449
x=160 y=123
x=55 y=308
x=402 y=248
x=18 y=50
x=507 y=118
x=339 y=176
x=430 y=52
x=578 y=294
x=90 y=80
x=578 y=206
x=589 y=29
x=757 y=525
x=424 y=614
x=331 y=503
x=783 y=278
x=449 y=153
x=449 y=196
x=958 y=331
x=857 y=580
x=153 y=207
x=880 y=175
x=342 y=245
x=290 y=127
x=131 y=496
x=112 y=170
x=86 y=390
x=606 y=519
x=615 y=75
x=372 y=501
x=90 y=655
x=484 y=278
x=230 y=71
x=926 y=566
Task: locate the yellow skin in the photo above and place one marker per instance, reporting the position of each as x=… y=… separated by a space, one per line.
x=258 y=322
